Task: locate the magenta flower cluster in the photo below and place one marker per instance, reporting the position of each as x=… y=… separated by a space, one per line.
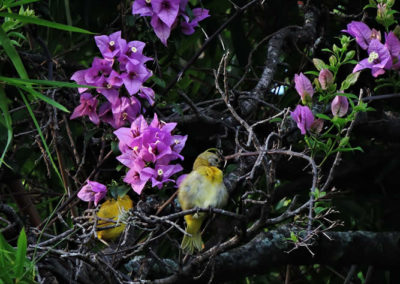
x=148 y=150
x=122 y=65
x=381 y=56
x=164 y=16
x=92 y=191
x=303 y=115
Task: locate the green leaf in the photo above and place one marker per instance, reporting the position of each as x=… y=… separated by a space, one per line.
x=7 y=121
x=41 y=22
x=319 y=64
x=59 y=84
x=12 y=54
x=158 y=81
x=21 y=254
x=350 y=55
x=41 y=135
x=344 y=141
x=351 y=79
x=323 y=116
x=332 y=60
x=20 y=3
x=44 y=98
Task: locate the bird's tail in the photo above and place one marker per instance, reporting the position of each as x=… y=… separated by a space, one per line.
x=190 y=243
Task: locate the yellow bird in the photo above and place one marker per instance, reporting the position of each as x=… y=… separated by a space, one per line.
x=113 y=209
x=203 y=187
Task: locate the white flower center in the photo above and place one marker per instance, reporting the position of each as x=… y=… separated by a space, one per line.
x=109 y=86
x=134 y=49
x=373 y=56
x=176 y=141
x=160 y=172
x=135 y=148
x=111 y=43
x=148 y=1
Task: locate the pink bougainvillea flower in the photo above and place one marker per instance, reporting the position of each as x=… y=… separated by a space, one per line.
x=340 y=106
x=148 y=94
x=124 y=110
x=109 y=45
x=134 y=76
x=156 y=123
x=92 y=191
x=142 y=8
x=152 y=145
x=160 y=174
x=88 y=105
x=96 y=75
x=325 y=78
x=127 y=136
x=378 y=59
x=79 y=78
x=361 y=32
x=393 y=45
x=135 y=178
x=166 y=10
x=303 y=87
x=160 y=28
x=303 y=117
x=132 y=52
x=199 y=15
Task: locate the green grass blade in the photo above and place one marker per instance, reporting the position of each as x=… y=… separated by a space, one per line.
x=41 y=22
x=44 y=98
x=7 y=122
x=58 y=84
x=21 y=254
x=41 y=135
x=22 y=2
x=12 y=54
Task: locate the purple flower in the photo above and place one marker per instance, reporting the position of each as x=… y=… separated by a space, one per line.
x=378 y=60
x=361 y=32
x=148 y=150
x=393 y=45
x=340 y=106
x=160 y=28
x=122 y=111
x=109 y=45
x=166 y=10
x=135 y=178
x=96 y=75
x=142 y=8
x=303 y=117
x=132 y=52
x=325 y=78
x=127 y=136
x=162 y=125
x=199 y=15
x=134 y=76
x=160 y=174
x=92 y=191
x=148 y=94
x=88 y=105
x=79 y=78
x=111 y=87
x=304 y=88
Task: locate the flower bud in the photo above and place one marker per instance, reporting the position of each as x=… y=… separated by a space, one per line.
x=383 y=16
x=340 y=106
x=316 y=126
x=325 y=78
x=304 y=88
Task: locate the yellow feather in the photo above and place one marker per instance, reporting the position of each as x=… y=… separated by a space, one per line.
x=203 y=188
x=113 y=209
